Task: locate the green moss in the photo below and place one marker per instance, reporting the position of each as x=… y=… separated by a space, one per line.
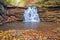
x=3 y=2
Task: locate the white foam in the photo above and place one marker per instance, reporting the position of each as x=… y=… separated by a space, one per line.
x=31 y=15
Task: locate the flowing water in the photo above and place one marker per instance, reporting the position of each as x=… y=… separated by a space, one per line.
x=31 y=15
x=27 y=25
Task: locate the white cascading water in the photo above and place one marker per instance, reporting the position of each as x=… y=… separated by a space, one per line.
x=31 y=15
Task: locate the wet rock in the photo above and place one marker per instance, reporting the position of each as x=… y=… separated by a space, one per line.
x=57 y=15
x=51 y=18
x=15 y=14
x=1 y=18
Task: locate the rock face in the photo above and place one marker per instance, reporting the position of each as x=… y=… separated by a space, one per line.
x=16 y=14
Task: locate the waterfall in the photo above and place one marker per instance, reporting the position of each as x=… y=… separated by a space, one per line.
x=31 y=15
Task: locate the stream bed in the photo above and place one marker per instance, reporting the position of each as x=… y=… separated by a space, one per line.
x=27 y=31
